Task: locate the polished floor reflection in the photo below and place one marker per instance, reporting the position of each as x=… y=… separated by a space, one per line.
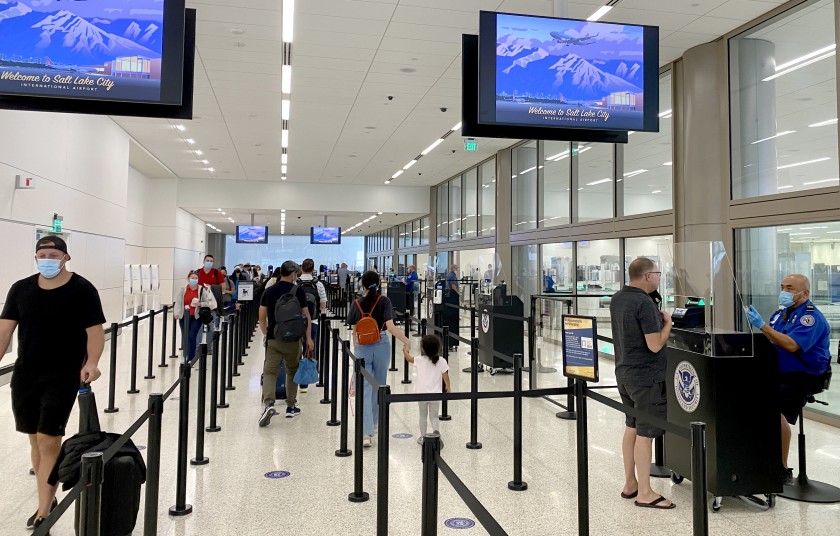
x=231 y=495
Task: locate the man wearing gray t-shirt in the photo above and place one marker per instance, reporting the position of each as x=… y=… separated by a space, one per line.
x=640 y=332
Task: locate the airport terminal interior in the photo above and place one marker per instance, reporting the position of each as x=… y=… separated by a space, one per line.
x=517 y=174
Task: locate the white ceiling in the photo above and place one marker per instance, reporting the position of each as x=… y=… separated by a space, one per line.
x=348 y=56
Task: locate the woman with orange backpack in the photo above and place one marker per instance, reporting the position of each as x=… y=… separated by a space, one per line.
x=371 y=315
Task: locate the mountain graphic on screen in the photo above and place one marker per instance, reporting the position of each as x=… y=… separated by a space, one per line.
x=66 y=38
x=251 y=233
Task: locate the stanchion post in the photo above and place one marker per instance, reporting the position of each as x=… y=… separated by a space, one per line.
x=90 y=501
x=223 y=359
x=393 y=367
x=135 y=322
x=699 y=491
x=382 y=471
x=319 y=348
x=359 y=495
x=181 y=507
x=517 y=484
x=200 y=458
x=332 y=379
x=243 y=337
x=406 y=380
x=324 y=340
x=112 y=373
x=424 y=324
x=582 y=460
x=429 y=498
x=231 y=359
x=163 y=326
x=569 y=414
x=343 y=451
x=214 y=386
x=444 y=407
x=174 y=334
x=155 y=427
x=474 y=444
x=473 y=327
x=151 y=358
x=237 y=356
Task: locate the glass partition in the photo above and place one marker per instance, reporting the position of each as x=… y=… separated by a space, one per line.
x=455 y=222
x=487 y=199
x=599 y=273
x=443 y=212
x=557 y=174
x=470 y=218
x=658 y=249
x=595 y=183
x=524 y=187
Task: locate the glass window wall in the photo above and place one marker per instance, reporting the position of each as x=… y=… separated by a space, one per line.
x=470 y=219
x=524 y=187
x=599 y=273
x=595 y=185
x=659 y=249
x=557 y=268
x=557 y=174
x=524 y=281
x=443 y=212
x=487 y=199
x=455 y=222
x=784 y=104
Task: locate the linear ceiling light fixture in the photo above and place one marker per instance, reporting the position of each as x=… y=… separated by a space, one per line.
x=777 y=135
x=288 y=28
x=823 y=159
x=425 y=151
x=824 y=123
x=783 y=69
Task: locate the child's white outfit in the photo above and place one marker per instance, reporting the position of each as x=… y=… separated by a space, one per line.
x=429 y=380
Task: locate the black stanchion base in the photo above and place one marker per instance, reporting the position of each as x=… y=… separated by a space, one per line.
x=203 y=461
x=133 y=391
x=358 y=497
x=393 y=369
x=469 y=369
x=222 y=406
x=812 y=491
x=175 y=511
x=319 y=384
x=334 y=423
x=152 y=377
x=163 y=365
x=659 y=471
x=213 y=429
x=343 y=453
x=325 y=401
x=517 y=486
x=241 y=364
x=230 y=388
x=568 y=416
x=236 y=374
x=405 y=382
x=445 y=417
x=110 y=410
x=173 y=357
x=474 y=446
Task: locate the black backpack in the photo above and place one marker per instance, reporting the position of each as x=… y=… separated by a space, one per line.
x=313 y=298
x=289 y=323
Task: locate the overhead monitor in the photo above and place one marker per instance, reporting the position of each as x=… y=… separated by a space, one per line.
x=107 y=57
x=251 y=234
x=576 y=74
x=325 y=235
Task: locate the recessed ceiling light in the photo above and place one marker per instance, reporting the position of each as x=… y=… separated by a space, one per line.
x=600 y=12
x=224 y=213
x=282 y=210
x=199 y=152
x=190 y=141
x=211 y=170
x=205 y=161
x=237 y=31
x=180 y=127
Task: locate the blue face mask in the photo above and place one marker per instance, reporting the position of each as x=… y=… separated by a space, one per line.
x=49 y=268
x=193 y=283
x=208 y=264
x=786 y=298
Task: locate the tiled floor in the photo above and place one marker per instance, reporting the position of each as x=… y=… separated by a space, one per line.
x=231 y=495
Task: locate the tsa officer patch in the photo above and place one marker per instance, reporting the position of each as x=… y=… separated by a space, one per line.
x=807 y=321
x=687 y=387
x=485 y=321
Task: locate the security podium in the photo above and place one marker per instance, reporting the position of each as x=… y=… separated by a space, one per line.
x=504 y=335
x=397 y=295
x=723 y=377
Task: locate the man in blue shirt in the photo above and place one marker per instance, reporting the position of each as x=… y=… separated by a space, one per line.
x=411 y=286
x=800 y=332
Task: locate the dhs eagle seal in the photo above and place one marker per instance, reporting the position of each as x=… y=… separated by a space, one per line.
x=687 y=387
x=485 y=321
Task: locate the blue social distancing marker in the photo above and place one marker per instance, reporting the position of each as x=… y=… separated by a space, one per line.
x=141 y=447
x=402 y=436
x=277 y=474
x=459 y=523
x=174 y=398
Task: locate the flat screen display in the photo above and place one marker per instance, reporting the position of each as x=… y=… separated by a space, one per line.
x=112 y=50
x=251 y=234
x=325 y=235
x=542 y=71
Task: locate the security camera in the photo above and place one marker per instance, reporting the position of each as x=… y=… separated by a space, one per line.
x=453 y=151
x=390 y=97
x=443 y=109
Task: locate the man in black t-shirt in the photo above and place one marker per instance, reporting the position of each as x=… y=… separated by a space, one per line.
x=277 y=352
x=640 y=332
x=60 y=341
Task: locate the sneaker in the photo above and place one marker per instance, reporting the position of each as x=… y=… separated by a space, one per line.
x=367 y=442
x=304 y=389
x=30 y=523
x=37 y=523
x=420 y=440
x=292 y=411
x=267 y=414
x=787 y=477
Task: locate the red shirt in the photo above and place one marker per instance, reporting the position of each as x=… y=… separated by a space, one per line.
x=214 y=277
x=189 y=294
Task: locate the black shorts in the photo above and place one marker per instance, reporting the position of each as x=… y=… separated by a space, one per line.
x=650 y=399
x=794 y=389
x=43 y=408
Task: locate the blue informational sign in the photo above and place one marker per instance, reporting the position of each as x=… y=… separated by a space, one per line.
x=580 y=349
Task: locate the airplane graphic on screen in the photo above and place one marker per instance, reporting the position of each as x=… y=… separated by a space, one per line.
x=585 y=40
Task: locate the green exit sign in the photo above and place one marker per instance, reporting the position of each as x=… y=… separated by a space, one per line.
x=470 y=144
x=57 y=223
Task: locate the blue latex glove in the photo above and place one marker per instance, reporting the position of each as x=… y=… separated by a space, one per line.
x=754 y=318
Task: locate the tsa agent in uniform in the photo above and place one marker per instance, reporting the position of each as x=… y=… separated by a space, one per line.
x=800 y=332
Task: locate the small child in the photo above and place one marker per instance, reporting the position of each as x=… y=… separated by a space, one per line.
x=432 y=373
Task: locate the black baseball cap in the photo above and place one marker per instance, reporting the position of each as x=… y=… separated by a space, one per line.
x=51 y=242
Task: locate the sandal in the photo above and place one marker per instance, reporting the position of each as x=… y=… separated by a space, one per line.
x=629 y=495
x=654 y=504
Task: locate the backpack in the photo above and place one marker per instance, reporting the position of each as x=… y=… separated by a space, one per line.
x=289 y=323
x=313 y=298
x=367 y=328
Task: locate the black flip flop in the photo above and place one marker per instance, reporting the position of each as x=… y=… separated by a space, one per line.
x=629 y=495
x=653 y=504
